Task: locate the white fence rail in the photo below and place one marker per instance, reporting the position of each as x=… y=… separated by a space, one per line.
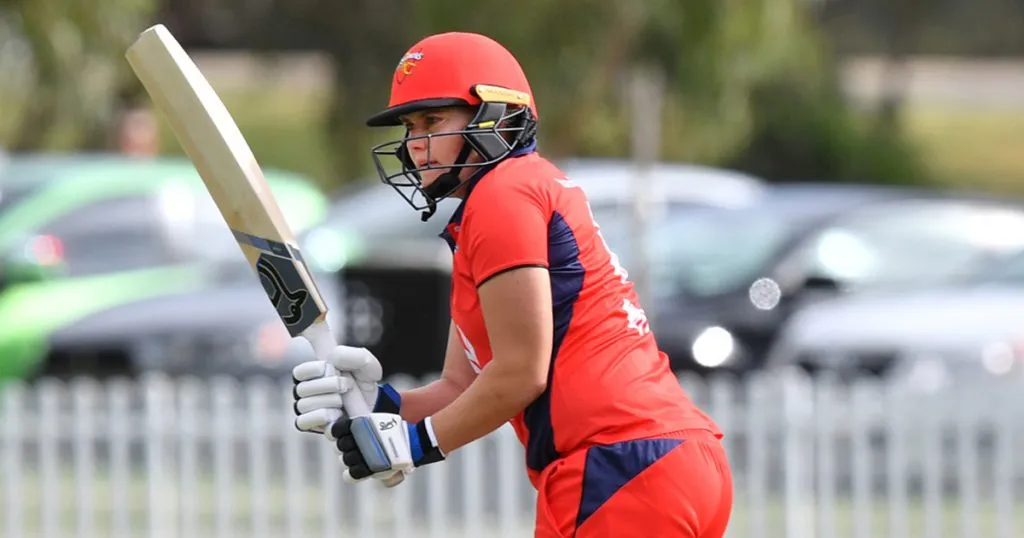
x=219 y=458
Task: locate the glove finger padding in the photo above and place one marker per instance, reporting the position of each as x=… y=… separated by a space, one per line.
x=309 y=370
x=323 y=401
x=326 y=385
x=358 y=361
x=346 y=443
x=318 y=421
x=360 y=471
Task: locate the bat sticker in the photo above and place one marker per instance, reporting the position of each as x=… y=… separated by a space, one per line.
x=287 y=292
x=279 y=292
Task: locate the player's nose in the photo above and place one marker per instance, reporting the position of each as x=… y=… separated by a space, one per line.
x=418 y=152
x=417 y=143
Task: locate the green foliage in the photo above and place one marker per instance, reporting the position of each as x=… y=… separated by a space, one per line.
x=807 y=134
x=66 y=69
x=747 y=82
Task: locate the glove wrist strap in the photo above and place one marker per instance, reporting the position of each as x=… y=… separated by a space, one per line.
x=388 y=400
x=424 y=431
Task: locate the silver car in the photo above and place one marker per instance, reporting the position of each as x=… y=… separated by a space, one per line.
x=928 y=337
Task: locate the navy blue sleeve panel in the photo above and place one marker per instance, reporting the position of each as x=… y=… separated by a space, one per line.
x=567 y=276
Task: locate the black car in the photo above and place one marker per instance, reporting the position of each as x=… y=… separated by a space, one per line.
x=727 y=279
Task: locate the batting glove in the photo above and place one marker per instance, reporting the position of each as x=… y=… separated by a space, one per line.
x=377 y=445
x=318 y=391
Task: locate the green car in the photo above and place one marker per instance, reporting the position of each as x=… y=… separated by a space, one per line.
x=83 y=234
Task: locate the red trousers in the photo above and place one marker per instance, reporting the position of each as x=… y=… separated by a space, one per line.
x=665 y=487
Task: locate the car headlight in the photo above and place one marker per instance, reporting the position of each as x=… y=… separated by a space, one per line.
x=1003 y=358
x=713 y=347
x=998 y=358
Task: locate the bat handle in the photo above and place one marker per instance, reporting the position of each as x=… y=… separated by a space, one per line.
x=320 y=336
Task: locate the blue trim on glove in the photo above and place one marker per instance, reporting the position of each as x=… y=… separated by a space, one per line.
x=415 y=448
x=388 y=400
x=423 y=449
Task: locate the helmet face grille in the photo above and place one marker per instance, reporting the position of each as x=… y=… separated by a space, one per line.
x=493 y=134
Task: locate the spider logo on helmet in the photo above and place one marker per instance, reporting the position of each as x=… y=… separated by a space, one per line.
x=406 y=65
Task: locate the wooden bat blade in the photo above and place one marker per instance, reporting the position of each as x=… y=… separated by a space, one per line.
x=226 y=163
x=234 y=179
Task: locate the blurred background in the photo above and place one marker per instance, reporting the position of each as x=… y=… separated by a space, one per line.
x=819 y=201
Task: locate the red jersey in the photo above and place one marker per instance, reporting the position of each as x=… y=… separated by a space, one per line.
x=608 y=381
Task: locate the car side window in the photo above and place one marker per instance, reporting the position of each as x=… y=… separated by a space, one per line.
x=912 y=242
x=117 y=234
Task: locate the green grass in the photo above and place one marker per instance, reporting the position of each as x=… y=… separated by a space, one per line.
x=971 y=148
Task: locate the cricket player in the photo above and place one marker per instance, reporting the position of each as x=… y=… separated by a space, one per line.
x=546 y=331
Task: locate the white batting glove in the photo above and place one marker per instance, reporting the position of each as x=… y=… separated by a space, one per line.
x=378 y=445
x=318 y=392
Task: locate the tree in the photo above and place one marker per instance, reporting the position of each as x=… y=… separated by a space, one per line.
x=580 y=54
x=364 y=39
x=72 y=75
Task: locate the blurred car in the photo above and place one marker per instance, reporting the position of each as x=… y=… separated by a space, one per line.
x=927 y=336
x=729 y=279
x=225 y=326
x=396 y=270
x=91 y=242
x=370 y=225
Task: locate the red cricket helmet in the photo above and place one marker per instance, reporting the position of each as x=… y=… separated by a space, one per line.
x=456 y=69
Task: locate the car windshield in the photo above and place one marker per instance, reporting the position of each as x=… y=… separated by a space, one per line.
x=916 y=242
x=1008 y=270
x=708 y=251
x=705 y=250
x=9 y=196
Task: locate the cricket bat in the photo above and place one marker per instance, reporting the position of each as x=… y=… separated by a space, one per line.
x=224 y=160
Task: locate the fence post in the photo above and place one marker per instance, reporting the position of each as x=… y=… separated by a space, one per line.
x=84 y=393
x=13 y=402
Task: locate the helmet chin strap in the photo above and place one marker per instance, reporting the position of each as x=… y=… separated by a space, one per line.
x=445 y=184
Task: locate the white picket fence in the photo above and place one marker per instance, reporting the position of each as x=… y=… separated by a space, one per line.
x=219 y=458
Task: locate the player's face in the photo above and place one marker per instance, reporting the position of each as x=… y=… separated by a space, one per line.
x=437 y=150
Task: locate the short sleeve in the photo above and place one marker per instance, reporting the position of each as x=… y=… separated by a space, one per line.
x=505 y=228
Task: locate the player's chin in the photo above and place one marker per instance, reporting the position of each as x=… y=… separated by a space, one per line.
x=429 y=177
